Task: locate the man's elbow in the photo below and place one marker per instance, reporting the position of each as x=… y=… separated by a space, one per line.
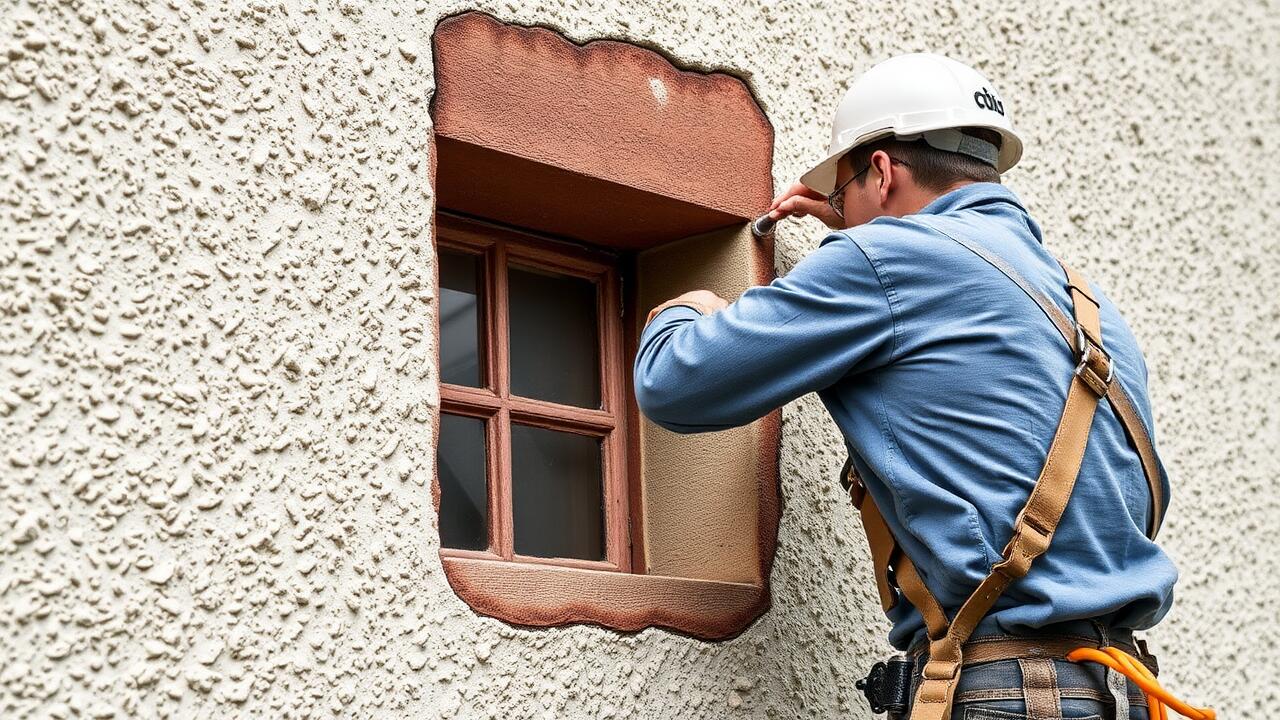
x=657 y=401
x=668 y=407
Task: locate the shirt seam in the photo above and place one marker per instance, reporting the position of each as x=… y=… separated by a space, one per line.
x=890 y=295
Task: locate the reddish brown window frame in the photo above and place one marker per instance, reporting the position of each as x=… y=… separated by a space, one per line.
x=493 y=403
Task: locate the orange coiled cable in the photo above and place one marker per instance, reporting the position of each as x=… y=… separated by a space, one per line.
x=1157 y=696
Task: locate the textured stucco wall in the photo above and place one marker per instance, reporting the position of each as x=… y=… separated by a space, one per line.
x=215 y=380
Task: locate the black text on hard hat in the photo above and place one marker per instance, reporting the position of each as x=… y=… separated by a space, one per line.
x=987 y=101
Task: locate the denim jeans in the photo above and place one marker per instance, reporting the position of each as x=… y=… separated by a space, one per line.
x=1043 y=689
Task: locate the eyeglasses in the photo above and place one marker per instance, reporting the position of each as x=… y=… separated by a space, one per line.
x=836 y=199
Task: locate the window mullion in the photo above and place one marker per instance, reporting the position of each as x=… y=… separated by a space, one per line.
x=499 y=319
x=616 y=492
x=503 y=538
x=500 y=367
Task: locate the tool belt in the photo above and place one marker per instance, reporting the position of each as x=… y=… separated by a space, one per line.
x=887 y=687
x=896 y=575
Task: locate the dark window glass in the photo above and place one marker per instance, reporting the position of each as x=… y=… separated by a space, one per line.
x=554 y=342
x=464 y=495
x=460 y=344
x=557 y=494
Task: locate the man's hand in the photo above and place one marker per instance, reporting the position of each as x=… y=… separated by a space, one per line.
x=799 y=201
x=704 y=301
x=704 y=298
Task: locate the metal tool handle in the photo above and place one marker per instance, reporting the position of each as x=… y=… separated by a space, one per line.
x=763 y=225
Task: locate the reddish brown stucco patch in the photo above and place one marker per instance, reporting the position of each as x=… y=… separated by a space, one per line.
x=546 y=595
x=530 y=125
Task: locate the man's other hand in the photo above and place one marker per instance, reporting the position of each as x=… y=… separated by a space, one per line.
x=799 y=201
x=704 y=301
x=705 y=298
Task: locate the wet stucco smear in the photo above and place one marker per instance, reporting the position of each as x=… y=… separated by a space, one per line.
x=217 y=381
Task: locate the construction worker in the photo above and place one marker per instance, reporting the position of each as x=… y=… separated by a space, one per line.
x=964 y=367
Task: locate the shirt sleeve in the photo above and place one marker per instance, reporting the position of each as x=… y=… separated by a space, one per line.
x=829 y=317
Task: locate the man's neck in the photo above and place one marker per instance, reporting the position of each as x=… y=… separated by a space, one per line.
x=919 y=198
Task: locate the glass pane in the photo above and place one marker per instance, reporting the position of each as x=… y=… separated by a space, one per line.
x=554 y=346
x=464 y=495
x=557 y=495
x=460 y=344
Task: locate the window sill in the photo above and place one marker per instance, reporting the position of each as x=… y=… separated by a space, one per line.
x=545 y=595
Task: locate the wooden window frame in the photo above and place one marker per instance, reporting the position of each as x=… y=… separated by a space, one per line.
x=498 y=247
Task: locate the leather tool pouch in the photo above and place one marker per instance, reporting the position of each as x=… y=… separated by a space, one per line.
x=888 y=685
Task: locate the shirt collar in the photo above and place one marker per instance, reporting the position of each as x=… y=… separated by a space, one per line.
x=971 y=195
x=967 y=196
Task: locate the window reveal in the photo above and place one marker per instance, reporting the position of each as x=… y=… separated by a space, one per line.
x=528 y=124
x=531 y=454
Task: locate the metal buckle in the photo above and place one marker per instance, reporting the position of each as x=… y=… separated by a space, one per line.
x=1084 y=349
x=1145 y=656
x=847 y=477
x=852 y=483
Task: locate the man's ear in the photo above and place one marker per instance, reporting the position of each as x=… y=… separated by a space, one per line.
x=883 y=164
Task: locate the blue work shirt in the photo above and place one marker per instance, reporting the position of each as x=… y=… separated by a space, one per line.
x=947 y=383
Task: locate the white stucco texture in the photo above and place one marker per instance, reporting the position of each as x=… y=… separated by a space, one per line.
x=216 y=361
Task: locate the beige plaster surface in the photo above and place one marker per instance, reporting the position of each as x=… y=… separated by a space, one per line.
x=700 y=511
x=215 y=377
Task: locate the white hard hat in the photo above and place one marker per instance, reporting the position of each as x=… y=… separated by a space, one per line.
x=915 y=96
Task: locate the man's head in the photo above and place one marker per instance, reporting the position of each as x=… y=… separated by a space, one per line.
x=897 y=177
x=919 y=124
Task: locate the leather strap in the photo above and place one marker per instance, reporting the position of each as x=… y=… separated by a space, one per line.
x=1117 y=395
x=879 y=538
x=991 y=649
x=887 y=557
x=917 y=593
x=1040 y=688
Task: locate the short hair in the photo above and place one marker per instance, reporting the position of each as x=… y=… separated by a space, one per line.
x=932 y=169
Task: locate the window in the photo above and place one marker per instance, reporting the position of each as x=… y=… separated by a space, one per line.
x=531 y=456
x=556 y=503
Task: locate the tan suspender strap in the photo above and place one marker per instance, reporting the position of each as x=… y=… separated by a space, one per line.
x=1083 y=303
x=1137 y=432
x=879 y=538
x=883 y=547
x=1034 y=528
x=886 y=553
x=1119 y=398
x=935 y=618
